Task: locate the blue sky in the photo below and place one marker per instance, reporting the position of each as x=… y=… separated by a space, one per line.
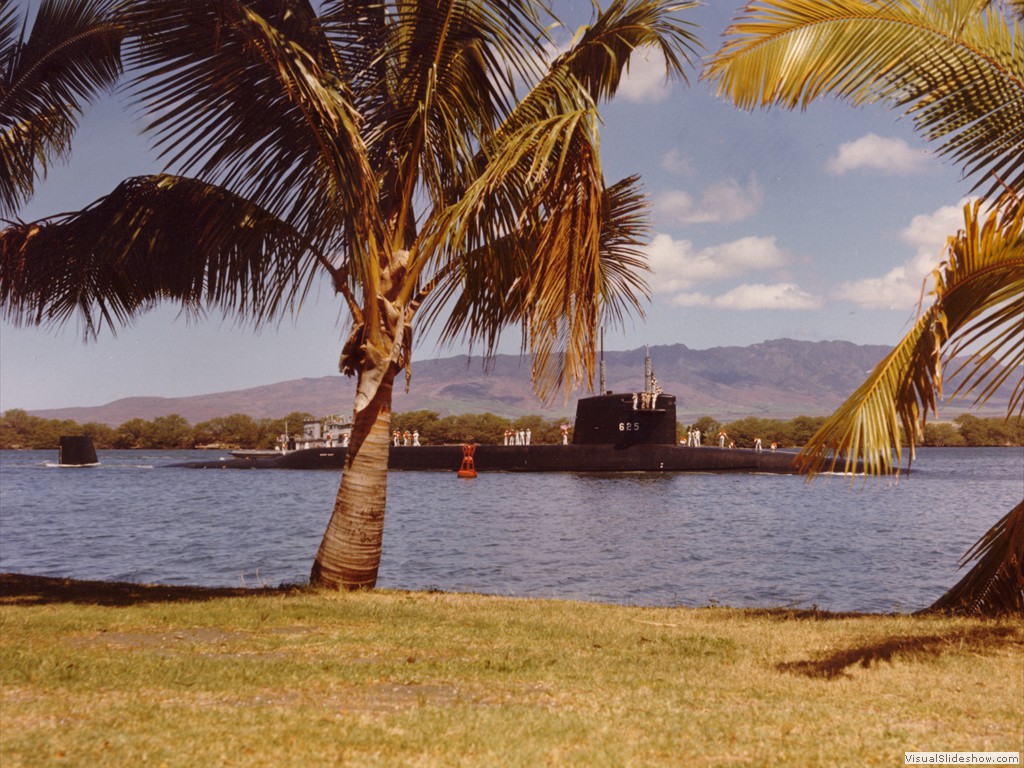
x=814 y=225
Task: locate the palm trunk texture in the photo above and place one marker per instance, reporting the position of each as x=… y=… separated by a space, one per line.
x=350 y=552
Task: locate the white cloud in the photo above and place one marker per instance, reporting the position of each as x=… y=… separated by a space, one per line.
x=693 y=300
x=750 y=296
x=895 y=290
x=645 y=81
x=678 y=266
x=928 y=232
x=723 y=201
x=748 y=254
x=900 y=287
x=891 y=156
x=675 y=163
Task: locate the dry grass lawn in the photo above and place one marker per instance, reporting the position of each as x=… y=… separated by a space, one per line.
x=99 y=674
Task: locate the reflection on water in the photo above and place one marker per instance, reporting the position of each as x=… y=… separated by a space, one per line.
x=687 y=539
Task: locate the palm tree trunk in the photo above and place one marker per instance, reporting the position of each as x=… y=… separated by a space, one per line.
x=349 y=554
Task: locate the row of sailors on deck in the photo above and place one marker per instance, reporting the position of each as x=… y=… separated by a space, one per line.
x=518 y=437
x=646 y=401
x=693 y=440
x=406 y=438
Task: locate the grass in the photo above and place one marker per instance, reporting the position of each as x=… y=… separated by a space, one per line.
x=99 y=674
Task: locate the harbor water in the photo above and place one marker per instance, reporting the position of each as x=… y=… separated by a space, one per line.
x=875 y=545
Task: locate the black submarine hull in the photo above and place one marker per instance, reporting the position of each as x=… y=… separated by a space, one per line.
x=630 y=432
x=536 y=458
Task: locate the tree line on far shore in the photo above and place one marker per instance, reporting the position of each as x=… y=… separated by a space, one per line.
x=966 y=430
x=21 y=430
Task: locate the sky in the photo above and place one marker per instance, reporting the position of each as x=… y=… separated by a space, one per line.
x=814 y=225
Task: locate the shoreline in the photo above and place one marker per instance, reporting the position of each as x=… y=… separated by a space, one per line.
x=26 y=588
x=23 y=589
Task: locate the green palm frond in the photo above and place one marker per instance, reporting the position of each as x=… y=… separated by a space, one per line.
x=956 y=68
x=995 y=584
x=535 y=196
x=979 y=299
x=492 y=284
x=154 y=238
x=71 y=56
x=555 y=289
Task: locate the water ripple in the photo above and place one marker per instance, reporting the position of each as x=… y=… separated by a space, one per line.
x=643 y=539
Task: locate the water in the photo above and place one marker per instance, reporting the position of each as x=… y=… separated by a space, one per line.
x=637 y=539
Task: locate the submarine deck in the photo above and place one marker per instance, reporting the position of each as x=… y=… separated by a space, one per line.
x=535 y=458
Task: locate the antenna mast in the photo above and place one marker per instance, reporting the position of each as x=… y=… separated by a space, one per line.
x=648 y=370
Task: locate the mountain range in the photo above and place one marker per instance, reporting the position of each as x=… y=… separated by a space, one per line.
x=775 y=379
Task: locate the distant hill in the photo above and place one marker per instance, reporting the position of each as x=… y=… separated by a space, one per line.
x=775 y=379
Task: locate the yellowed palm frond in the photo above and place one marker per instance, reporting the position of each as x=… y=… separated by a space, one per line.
x=990 y=342
x=955 y=66
x=541 y=241
x=995 y=584
x=564 y=296
x=601 y=52
x=546 y=246
x=979 y=297
x=866 y=428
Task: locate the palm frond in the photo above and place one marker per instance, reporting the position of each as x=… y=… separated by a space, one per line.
x=246 y=96
x=154 y=238
x=989 y=341
x=494 y=216
x=559 y=251
x=497 y=279
x=568 y=261
x=449 y=84
x=601 y=53
x=866 y=427
x=956 y=68
x=979 y=295
x=995 y=584
x=510 y=157
x=71 y=55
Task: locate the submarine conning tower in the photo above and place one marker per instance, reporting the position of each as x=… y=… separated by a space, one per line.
x=77 y=451
x=612 y=420
x=625 y=419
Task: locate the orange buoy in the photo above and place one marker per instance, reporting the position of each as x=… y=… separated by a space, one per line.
x=468 y=469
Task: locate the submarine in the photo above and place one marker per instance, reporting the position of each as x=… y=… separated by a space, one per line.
x=613 y=432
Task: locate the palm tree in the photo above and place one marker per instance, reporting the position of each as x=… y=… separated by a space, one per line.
x=957 y=68
x=418 y=154
x=71 y=56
